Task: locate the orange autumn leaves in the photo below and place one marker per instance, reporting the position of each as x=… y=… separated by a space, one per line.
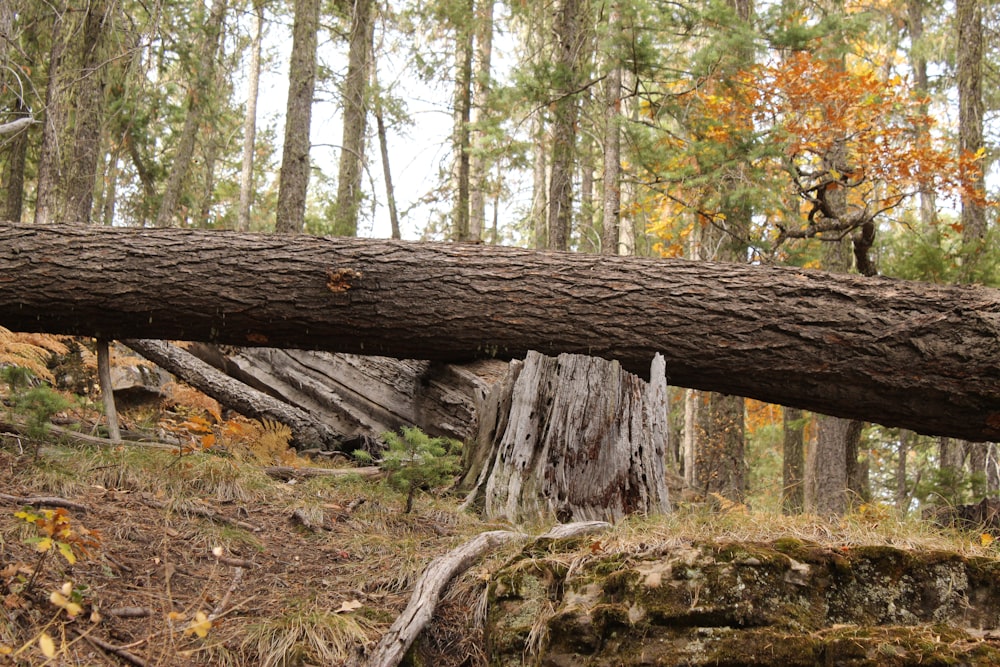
x=772 y=130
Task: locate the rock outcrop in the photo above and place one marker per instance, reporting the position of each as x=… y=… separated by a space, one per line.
x=784 y=603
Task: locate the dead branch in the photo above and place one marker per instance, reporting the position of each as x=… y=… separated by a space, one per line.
x=285 y=473
x=45 y=501
x=205 y=513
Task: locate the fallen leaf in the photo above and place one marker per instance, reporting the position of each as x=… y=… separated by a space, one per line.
x=348 y=606
x=47 y=645
x=200 y=625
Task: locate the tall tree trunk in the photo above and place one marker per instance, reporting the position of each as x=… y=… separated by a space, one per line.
x=902 y=494
x=49 y=190
x=826 y=483
x=294 y=179
x=352 y=146
x=383 y=143
x=820 y=341
x=564 y=119
x=250 y=119
x=918 y=65
x=969 y=72
x=16 y=149
x=539 y=182
x=612 y=132
x=793 y=462
x=464 y=36
x=82 y=172
x=719 y=462
x=479 y=165
x=199 y=90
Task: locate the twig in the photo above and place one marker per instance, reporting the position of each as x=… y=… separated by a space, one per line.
x=221 y=607
x=207 y=514
x=115 y=650
x=45 y=501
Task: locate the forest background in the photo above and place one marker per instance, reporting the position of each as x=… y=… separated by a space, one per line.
x=850 y=137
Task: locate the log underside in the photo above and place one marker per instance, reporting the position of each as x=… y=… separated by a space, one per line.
x=921 y=356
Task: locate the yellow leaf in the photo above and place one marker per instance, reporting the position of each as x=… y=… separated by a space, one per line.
x=175 y=616
x=5 y=650
x=47 y=645
x=986 y=539
x=43 y=544
x=200 y=625
x=60 y=600
x=67 y=552
x=348 y=606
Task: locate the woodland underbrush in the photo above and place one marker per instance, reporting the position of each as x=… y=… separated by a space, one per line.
x=182 y=546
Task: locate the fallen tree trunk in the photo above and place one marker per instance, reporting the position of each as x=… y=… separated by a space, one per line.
x=926 y=357
x=307 y=431
x=365 y=395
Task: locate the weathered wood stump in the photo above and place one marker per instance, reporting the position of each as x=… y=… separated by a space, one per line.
x=576 y=437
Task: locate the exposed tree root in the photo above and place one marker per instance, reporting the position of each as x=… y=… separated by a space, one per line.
x=400 y=637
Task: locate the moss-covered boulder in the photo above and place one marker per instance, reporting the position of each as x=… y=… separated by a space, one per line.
x=787 y=602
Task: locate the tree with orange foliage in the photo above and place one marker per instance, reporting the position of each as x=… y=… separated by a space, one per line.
x=832 y=148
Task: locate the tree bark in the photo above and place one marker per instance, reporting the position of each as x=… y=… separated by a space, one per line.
x=306 y=430
x=293 y=182
x=611 y=199
x=897 y=352
x=250 y=119
x=462 y=113
x=969 y=72
x=565 y=113
x=82 y=173
x=793 y=462
x=479 y=165
x=575 y=437
x=365 y=395
x=352 y=146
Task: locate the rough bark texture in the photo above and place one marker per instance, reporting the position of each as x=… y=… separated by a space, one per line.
x=352 y=151
x=307 y=431
x=969 y=73
x=250 y=119
x=719 y=465
x=294 y=179
x=901 y=353
x=575 y=437
x=461 y=135
x=793 y=462
x=564 y=120
x=479 y=164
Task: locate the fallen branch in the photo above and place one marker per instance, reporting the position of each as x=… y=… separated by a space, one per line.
x=115 y=650
x=205 y=513
x=285 y=473
x=221 y=607
x=130 y=612
x=105 y=442
x=44 y=501
x=397 y=641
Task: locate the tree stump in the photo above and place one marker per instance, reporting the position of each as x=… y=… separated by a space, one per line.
x=576 y=437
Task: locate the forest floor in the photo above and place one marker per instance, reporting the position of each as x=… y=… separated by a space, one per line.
x=201 y=558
